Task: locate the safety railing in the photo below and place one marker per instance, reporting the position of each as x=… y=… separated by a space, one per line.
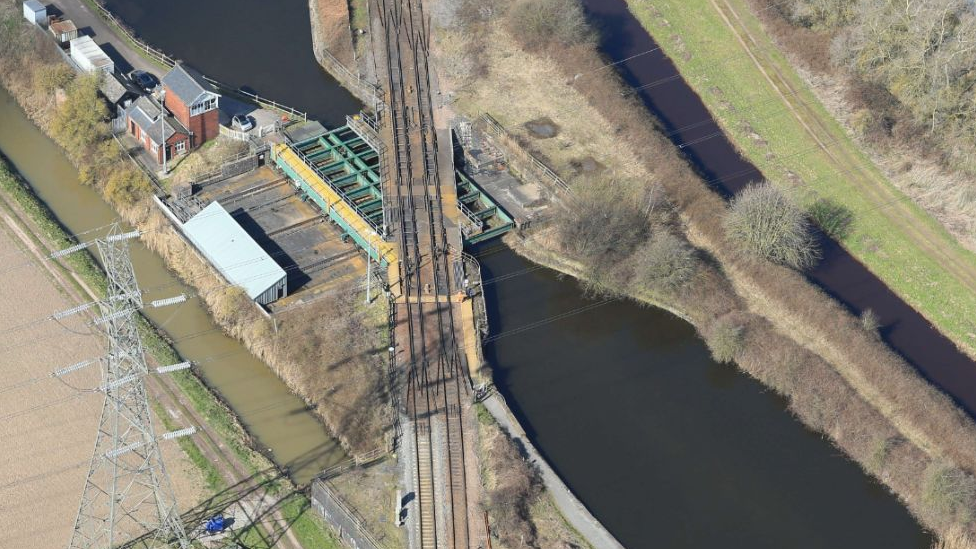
x=328 y=181
x=511 y=147
x=365 y=90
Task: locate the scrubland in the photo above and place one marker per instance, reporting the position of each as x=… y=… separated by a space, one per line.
x=648 y=208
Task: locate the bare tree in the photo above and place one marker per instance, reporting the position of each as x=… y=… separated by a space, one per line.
x=664 y=264
x=764 y=221
x=540 y=23
x=604 y=220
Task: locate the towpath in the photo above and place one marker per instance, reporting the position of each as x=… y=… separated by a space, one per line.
x=90 y=23
x=575 y=513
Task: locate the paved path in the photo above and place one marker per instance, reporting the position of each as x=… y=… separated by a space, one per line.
x=573 y=510
x=125 y=56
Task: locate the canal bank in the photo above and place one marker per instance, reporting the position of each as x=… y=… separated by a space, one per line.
x=593 y=411
x=282 y=425
x=689 y=125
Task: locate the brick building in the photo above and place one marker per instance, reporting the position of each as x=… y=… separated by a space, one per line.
x=148 y=124
x=194 y=102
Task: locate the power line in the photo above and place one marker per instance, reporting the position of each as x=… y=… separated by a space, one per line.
x=127 y=487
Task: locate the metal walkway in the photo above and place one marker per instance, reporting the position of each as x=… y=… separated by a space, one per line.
x=340 y=170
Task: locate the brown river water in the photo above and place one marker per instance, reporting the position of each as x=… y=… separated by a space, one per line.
x=277 y=418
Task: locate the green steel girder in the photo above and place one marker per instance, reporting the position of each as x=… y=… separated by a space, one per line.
x=486 y=213
x=352 y=168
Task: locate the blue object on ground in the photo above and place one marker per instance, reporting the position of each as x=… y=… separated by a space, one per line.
x=215 y=524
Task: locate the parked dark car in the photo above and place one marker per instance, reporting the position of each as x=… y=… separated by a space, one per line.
x=146 y=81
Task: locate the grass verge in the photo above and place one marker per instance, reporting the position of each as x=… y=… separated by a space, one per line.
x=83 y=264
x=309 y=529
x=211 y=476
x=779 y=125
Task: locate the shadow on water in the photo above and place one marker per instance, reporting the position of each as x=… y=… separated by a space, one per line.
x=682 y=112
x=666 y=447
x=252 y=44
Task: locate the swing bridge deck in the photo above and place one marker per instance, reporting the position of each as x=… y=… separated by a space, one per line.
x=341 y=172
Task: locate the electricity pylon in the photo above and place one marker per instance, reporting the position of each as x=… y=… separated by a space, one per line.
x=128 y=498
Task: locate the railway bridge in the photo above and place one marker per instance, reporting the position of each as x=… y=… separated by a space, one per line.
x=426 y=223
x=390 y=183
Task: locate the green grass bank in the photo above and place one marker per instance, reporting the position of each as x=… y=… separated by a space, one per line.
x=768 y=112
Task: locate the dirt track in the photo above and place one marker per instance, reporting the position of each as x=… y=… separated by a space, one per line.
x=48 y=427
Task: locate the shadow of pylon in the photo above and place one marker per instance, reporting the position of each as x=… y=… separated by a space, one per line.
x=262 y=486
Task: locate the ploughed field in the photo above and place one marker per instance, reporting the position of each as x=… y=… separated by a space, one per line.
x=48 y=427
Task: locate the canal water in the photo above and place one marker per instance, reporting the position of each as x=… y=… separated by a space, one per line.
x=663 y=445
x=682 y=113
x=263 y=47
x=277 y=419
x=666 y=447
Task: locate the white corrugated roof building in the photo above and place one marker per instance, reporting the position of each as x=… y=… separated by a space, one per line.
x=86 y=53
x=235 y=254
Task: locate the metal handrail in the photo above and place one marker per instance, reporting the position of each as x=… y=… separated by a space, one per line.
x=466 y=212
x=336 y=188
x=498 y=130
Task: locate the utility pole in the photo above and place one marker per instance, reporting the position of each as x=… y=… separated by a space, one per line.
x=369 y=268
x=162 y=123
x=127 y=497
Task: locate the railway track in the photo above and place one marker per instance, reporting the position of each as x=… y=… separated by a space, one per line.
x=425 y=330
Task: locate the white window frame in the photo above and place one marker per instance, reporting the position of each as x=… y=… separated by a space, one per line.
x=154 y=146
x=180 y=147
x=208 y=104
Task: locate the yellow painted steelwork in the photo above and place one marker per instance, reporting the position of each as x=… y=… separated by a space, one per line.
x=382 y=251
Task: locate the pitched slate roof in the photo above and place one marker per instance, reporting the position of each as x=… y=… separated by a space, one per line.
x=187 y=83
x=112 y=88
x=145 y=113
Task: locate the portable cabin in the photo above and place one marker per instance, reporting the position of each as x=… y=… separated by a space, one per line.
x=35 y=12
x=87 y=55
x=241 y=260
x=63 y=30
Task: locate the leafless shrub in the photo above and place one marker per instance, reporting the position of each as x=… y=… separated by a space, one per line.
x=604 y=220
x=820 y=13
x=664 y=264
x=870 y=321
x=949 y=493
x=764 y=221
x=547 y=23
x=725 y=339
